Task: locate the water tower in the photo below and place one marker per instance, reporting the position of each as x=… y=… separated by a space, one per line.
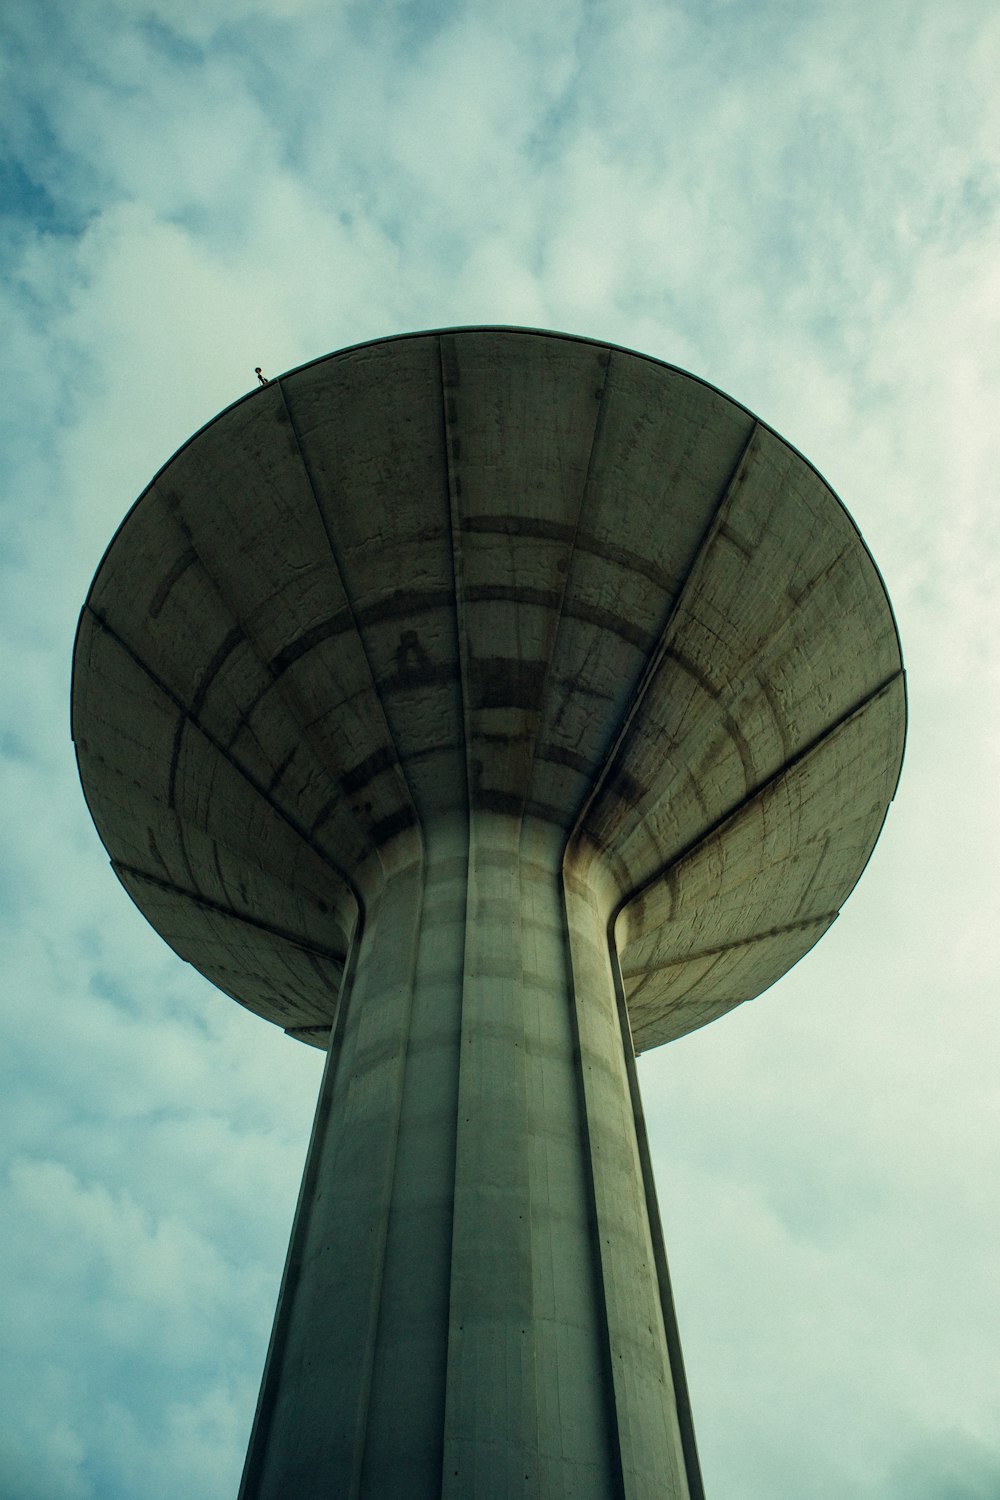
x=485 y=707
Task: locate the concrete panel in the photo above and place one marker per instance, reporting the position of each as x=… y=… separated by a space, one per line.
x=767 y=881
x=385 y=511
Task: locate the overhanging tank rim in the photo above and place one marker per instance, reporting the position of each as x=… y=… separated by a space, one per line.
x=624 y=900
x=512 y=328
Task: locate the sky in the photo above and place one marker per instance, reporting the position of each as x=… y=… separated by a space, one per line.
x=798 y=201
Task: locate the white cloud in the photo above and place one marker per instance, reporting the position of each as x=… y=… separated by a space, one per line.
x=798 y=202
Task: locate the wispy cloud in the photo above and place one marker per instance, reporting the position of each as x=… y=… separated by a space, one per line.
x=801 y=204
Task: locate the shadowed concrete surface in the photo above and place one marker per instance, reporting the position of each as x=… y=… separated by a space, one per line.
x=484 y=706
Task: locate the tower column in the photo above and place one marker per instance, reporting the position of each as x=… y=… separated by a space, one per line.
x=471 y=1305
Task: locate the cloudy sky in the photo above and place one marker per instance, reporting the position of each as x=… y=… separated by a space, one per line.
x=797 y=200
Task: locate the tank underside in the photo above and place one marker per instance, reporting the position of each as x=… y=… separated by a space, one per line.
x=495 y=570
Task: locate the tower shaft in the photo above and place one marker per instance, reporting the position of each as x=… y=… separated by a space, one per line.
x=471 y=1304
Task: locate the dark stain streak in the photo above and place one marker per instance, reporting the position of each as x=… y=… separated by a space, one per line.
x=313 y=1036
x=513 y=804
x=522 y=738
x=413 y=664
x=552 y=600
x=676 y=595
x=772 y=784
x=185 y=716
x=505 y=682
x=810 y=586
x=317 y=967
x=733 y=537
x=154 y=850
x=336 y=625
x=558 y=531
x=323 y=816
x=361 y=776
x=242 y=725
x=493 y=799
x=402 y=603
x=217 y=908
x=229 y=645
x=545 y=812
x=560 y=756
x=816 y=873
x=448 y=351
x=780 y=719
x=536 y=526
x=430 y=674
x=397 y=822
x=693 y=670
x=175 y=756
x=281 y=769
x=742 y=748
x=693 y=954
x=180 y=567
x=623 y=787
x=507 y=593
x=605 y=621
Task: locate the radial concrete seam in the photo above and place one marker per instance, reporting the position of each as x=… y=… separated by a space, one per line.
x=668 y=1308
x=757 y=937
x=449 y=385
x=632 y=1427
x=605 y=358
x=341 y=573
x=303 y=1209
x=662 y=644
x=297 y=828
x=813 y=747
x=196 y=897
x=596 y=1255
x=448 y=373
x=388 y=1183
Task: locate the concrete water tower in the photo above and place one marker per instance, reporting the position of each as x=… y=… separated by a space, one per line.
x=485 y=707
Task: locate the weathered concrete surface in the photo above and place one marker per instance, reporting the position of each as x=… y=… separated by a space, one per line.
x=506 y=569
x=493 y=1325
x=526 y=679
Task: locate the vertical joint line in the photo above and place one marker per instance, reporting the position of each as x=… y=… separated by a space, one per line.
x=607 y=355
x=448 y=368
x=357 y=1478
x=597 y=1253
x=682 y=1400
x=187 y=716
x=271 y=1379
x=448 y=373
